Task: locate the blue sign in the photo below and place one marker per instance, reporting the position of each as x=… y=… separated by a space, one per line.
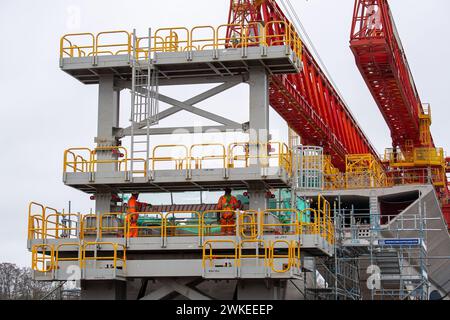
x=399 y=242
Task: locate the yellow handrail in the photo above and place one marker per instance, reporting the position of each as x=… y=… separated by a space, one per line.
x=293 y=221
x=252 y=225
x=211 y=257
x=81 y=53
x=115 y=258
x=53 y=228
x=182 y=39
x=36 y=221
x=259 y=243
x=40 y=260
x=126 y=45
x=161 y=227
x=273 y=255
x=199 y=160
x=171 y=230
x=206 y=229
x=78 y=258
x=180 y=163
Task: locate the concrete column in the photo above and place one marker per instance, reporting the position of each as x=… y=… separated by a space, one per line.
x=259 y=115
x=257 y=199
x=108 y=120
x=259 y=132
x=108 y=109
x=103 y=203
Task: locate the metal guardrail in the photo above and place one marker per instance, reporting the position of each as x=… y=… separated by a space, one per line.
x=181 y=157
x=181 y=39
x=248 y=225
x=222 y=251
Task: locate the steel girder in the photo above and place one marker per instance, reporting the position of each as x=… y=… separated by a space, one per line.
x=307 y=101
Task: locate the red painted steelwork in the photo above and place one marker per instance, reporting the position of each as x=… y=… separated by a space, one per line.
x=307 y=101
x=382 y=62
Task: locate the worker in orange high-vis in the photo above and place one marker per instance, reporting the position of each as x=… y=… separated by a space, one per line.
x=227 y=218
x=132 y=215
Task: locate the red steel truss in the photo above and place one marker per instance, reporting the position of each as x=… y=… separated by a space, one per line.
x=307 y=101
x=382 y=62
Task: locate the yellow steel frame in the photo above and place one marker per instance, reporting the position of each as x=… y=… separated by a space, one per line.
x=40 y=260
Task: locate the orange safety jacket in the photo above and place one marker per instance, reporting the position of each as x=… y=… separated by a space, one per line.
x=132 y=208
x=227 y=203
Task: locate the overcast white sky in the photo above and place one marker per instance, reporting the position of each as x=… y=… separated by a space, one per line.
x=44 y=111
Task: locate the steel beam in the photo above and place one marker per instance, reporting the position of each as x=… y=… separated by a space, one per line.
x=194 y=100
x=183 y=130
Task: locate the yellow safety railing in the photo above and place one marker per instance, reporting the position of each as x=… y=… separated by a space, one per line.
x=182 y=39
x=69 y=258
x=70 y=50
x=120 y=152
x=292 y=255
x=148 y=231
x=42 y=258
x=239 y=155
x=181 y=157
x=36 y=221
x=93 y=254
x=61 y=225
x=89 y=225
x=248 y=224
x=144 y=46
x=324 y=219
x=75 y=160
x=210 y=256
x=312 y=227
x=254 y=35
x=209 y=227
x=175 y=39
x=202 y=38
x=236 y=40
x=183 y=223
x=285 y=222
x=261 y=251
x=180 y=162
x=123 y=47
x=111 y=224
x=47 y=223
x=217 y=153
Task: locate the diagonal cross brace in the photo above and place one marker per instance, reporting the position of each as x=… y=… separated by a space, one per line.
x=187 y=105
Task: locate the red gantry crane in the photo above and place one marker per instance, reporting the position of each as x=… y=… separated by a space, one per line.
x=307 y=100
x=314 y=110
x=382 y=62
